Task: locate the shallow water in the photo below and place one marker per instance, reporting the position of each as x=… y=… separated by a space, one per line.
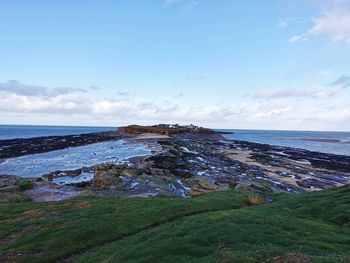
x=65 y=179
x=36 y=165
x=327 y=142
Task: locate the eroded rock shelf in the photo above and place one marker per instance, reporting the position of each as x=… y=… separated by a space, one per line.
x=191 y=162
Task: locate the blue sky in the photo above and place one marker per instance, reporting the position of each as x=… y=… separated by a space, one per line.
x=226 y=64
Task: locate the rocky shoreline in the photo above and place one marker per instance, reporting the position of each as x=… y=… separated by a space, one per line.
x=20 y=147
x=186 y=164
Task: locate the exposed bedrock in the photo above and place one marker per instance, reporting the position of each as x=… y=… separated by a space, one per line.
x=191 y=163
x=19 y=147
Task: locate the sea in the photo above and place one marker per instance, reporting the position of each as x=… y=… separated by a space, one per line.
x=30 y=131
x=320 y=141
x=36 y=165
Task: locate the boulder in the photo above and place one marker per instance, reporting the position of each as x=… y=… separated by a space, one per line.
x=201 y=184
x=12 y=187
x=106 y=176
x=130 y=172
x=9 y=183
x=13 y=197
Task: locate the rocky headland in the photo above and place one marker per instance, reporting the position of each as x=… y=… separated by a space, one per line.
x=185 y=161
x=165 y=129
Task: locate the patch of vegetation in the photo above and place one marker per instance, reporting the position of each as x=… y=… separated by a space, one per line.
x=25 y=185
x=214 y=227
x=167 y=129
x=255 y=200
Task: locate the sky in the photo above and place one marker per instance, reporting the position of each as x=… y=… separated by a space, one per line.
x=277 y=64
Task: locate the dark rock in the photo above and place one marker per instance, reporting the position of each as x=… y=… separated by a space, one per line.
x=107 y=176
x=12 y=187
x=310 y=183
x=19 y=147
x=268 y=198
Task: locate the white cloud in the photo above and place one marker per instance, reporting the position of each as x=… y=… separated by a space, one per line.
x=36 y=104
x=332 y=23
x=16 y=87
x=298 y=38
x=314 y=92
x=273 y=109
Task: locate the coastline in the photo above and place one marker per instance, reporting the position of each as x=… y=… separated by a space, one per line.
x=191 y=163
x=241 y=188
x=23 y=146
x=324 y=142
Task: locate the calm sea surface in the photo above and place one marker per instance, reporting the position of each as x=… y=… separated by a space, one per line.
x=329 y=142
x=29 y=131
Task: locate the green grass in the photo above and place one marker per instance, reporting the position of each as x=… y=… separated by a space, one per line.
x=25 y=185
x=215 y=227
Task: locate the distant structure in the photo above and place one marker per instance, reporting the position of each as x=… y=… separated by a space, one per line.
x=175 y=126
x=166 y=129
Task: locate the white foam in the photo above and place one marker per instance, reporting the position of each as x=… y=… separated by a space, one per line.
x=65 y=179
x=36 y=165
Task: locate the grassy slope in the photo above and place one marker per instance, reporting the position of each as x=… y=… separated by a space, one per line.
x=216 y=227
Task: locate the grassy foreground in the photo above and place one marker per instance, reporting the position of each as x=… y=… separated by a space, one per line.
x=215 y=227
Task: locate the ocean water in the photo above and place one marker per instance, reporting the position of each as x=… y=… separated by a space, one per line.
x=35 y=165
x=327 y=142
x=29 y=131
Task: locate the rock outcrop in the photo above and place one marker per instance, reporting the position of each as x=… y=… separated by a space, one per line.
x=12 y=188
x=19 y=147
x=193 y=160
x=166 y=129
x=107 y=176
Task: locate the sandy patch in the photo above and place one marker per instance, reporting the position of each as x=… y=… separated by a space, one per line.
x=151 y=136
x=241 y=156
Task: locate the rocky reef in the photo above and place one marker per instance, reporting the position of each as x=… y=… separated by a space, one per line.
x=19 y=147
x=192 y=163
x=187 y=161
x=189 y=164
